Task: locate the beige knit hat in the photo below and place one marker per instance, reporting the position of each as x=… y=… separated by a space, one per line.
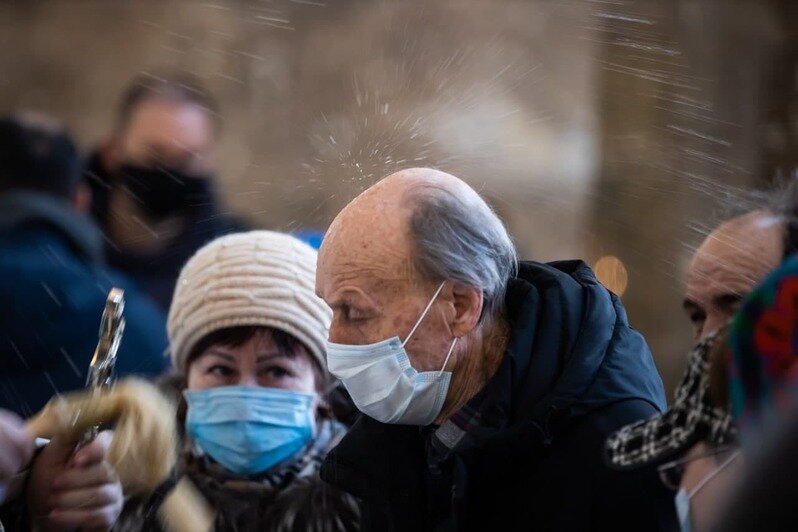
x=255 y=278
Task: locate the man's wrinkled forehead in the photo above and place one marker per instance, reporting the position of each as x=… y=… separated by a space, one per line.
x=358 y=269
x=367 y=245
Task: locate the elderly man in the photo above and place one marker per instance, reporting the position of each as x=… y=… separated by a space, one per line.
x=489 y=386
x=696 y=436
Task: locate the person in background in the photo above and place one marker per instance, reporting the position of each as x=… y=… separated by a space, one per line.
x=247 y=339
x=695 y=442
x=55 y=282
x=153 y=180
x=763 y=377
x=488 y=386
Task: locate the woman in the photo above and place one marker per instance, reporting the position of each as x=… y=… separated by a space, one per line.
x=247 y=338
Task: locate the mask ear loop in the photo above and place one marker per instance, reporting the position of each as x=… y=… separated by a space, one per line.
x=423 y=314
x=713 y=474
x=451 y=349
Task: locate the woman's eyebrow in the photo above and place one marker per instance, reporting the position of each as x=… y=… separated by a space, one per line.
x=271 y=355
x=221 y=354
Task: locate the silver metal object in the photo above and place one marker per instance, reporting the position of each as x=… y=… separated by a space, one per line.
x=101 y=367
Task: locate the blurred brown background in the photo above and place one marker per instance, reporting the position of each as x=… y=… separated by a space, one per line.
x=595 y=128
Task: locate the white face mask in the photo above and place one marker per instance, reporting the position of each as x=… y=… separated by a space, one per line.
x=384 y=385
x=682 y=502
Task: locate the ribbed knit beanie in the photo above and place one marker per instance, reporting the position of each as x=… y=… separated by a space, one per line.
x=258 y=278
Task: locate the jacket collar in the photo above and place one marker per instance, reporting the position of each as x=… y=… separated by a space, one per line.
x=23 y=208
x=570 y=351
x=581 y=354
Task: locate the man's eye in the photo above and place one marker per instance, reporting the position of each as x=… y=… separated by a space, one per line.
x=732 y=307
x=351 y=314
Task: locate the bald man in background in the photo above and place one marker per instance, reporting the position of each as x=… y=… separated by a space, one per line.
x=695 y=440
x=488 y=385
x=730 y=262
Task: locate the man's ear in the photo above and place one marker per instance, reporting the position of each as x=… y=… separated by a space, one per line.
x=467 y=302
x=81 y=198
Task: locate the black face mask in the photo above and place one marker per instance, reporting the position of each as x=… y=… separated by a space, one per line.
x=163 y=192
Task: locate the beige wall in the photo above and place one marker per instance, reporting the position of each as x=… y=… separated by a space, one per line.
x=561 y=112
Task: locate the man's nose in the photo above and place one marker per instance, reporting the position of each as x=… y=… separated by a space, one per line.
x=714 y=321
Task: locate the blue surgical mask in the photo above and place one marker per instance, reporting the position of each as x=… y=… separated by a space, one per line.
x=249 y=429
x=383 y=384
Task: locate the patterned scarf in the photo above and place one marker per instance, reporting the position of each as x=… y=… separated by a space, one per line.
x=692 y=417
x=243 y=504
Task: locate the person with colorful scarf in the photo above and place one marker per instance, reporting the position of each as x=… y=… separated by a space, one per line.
x=247 y=337
x=764 y=345
x=763 y=389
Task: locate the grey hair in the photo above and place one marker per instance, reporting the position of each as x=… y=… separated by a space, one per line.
x=784 y=202
x=779 y=199
x=461 y=241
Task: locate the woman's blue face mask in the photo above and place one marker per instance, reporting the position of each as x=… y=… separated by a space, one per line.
x=250 y=429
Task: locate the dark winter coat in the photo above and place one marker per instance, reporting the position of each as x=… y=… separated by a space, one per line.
x=530 y=455
x=53 y=287
x=157 y=273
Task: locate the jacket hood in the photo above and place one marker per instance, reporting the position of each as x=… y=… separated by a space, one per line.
x=21 y=209
x=571 y=350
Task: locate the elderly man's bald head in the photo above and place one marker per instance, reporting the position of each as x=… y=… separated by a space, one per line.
x=372 y=232
x=378 y=221
x=388 y=251
x=423 y=224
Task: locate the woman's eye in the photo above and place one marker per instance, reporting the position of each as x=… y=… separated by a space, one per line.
x=221 y=371
x=277 y=372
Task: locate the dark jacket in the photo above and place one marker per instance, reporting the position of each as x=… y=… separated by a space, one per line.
x=574 y=371
x=157 y=273
x=53 y=287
